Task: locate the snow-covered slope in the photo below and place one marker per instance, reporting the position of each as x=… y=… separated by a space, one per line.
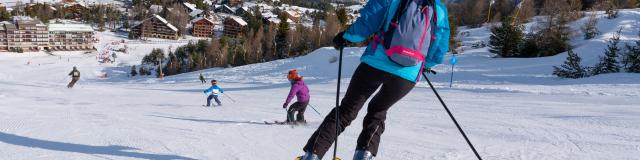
x=510 y=108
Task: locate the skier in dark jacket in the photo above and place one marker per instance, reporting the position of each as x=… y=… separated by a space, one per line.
x=75 y=76
x=215 y=90
x=376 y=70
x=301 y=92
x=202 y=80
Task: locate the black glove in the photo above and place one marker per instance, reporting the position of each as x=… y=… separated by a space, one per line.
x=427 y=70
x=339 y=42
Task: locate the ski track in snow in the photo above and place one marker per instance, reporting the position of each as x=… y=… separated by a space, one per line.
x=511 y=109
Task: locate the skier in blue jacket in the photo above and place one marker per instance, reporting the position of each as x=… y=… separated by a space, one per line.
x=215 y=90
x=376 y=70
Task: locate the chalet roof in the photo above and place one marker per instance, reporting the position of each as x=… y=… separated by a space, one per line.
x=238 y=20
x=201 y=18
x=228 y=8
x=196 y=12
x=59 y=27
x=161 y=20
x=190 y=6
x=166 y=22
x=293 y=13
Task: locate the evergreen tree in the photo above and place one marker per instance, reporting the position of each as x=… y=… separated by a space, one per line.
x=154 y=57
x=142 y=71
x=133 y=71
x=5 y=15
x=631 y=58
x=609 y=63
x=590 y=29
x=571 y=67
x=282 y=37
x=506 y=38
x=611 y=10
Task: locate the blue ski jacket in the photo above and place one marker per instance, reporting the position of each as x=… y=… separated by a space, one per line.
x=375 y=16
x=214 y=89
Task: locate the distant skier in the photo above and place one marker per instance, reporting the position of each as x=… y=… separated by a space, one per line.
x=202 y=80
x=215 y=90
x=404 y=44
x=301 y=91
x=75 y=76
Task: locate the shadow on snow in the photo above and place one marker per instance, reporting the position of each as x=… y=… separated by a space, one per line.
x=111 y=150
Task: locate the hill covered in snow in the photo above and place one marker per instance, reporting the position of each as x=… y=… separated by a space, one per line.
x=511 y=108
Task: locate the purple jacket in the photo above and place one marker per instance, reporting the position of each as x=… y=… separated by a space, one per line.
x=300 y=90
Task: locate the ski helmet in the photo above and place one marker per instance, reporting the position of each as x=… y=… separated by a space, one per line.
x=293 y=75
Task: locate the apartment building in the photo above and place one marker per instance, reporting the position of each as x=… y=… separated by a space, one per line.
x=70 y=37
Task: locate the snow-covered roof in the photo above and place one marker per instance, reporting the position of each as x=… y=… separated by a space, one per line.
x=294 y=13
x=195 y=13
x=268 y=15
x=191 y=6
x=165 y=22
x=229 y=8
x=201 y=18
x=239 y=20
x=155 y=8
x=207 y=2
x=60 y=27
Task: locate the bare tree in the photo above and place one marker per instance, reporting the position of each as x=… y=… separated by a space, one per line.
x=179 y=17
x=525 y=10
x=332 y=28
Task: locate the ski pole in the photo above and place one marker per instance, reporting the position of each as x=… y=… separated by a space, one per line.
x=451 y=116
x=451 y=81
x=234 y=101
x=314 y=109
x=335 y=147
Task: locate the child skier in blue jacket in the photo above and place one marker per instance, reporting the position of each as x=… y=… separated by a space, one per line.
x=215 y=90
x=377 y=70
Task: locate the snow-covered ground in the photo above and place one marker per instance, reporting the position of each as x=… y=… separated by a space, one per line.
x=510 y=108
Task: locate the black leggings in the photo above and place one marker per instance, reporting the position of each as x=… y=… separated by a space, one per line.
x=364 y=82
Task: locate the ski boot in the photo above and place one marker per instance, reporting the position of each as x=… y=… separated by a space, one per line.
x=362 y=155
x=309 y=156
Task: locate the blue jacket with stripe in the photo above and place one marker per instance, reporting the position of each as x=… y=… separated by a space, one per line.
x=370 y=23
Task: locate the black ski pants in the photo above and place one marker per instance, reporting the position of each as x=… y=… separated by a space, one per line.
x=365 y=81
x=299 y=107
x=73 y=82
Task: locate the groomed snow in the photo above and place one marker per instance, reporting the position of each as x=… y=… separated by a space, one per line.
x=510 y=108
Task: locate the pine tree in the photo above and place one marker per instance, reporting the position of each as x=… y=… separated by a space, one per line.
x=571 y=67
x=631 y=58
x=282 y=37
x=590 y=29
x=609 y=63
x=142 y=71
x=611 y=10
x=133 y=71
x=506 y=38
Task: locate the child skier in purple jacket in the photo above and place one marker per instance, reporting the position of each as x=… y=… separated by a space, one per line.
x=301 y=91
